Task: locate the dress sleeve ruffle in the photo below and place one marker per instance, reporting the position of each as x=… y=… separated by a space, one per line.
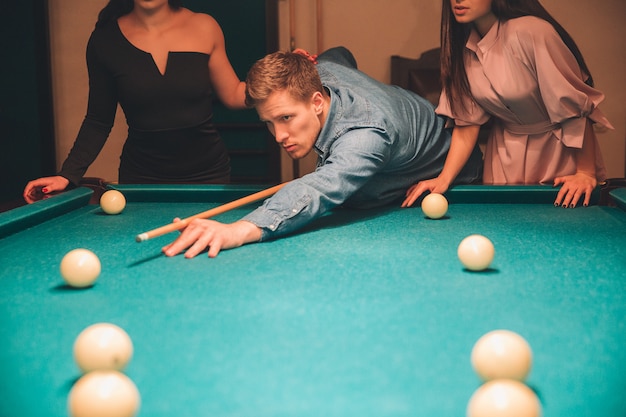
x=569 y=101
x=471 y=114
x=572 y=131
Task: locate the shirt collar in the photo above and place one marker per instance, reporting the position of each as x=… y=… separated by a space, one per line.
x=475 y=42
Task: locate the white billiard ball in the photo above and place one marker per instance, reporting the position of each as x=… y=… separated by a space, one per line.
x=104 y=394
x=435 y=206
x=476 y=252
x=103 y=346
x=112 y=202
x=502 y=354
x=504 y=398
x=80 y=268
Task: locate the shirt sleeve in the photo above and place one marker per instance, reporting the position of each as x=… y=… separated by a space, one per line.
x=569 y=101
x=353 y=159
x=95 y=129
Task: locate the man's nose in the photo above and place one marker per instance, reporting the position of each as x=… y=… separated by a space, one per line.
x=280 y=134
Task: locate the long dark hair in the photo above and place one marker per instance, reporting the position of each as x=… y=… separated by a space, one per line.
x=454 y=36
x=118 y=8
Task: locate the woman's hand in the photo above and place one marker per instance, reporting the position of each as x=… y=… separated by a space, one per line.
x=435 y=185
x=40 y=189
x=573 y=187
x=312 y=58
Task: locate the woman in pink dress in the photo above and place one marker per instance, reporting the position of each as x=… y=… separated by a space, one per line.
x=511 y=62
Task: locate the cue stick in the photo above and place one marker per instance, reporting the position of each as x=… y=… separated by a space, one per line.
x=172 y=227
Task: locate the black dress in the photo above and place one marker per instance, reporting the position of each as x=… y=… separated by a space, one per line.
x=171 y=137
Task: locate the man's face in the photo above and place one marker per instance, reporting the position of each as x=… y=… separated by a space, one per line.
x=295 y=124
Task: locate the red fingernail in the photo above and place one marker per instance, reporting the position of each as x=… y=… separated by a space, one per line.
x=44 y=190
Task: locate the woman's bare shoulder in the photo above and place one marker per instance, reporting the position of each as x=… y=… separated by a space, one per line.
x=201 y=21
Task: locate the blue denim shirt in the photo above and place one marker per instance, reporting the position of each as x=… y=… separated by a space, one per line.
x=377 y=141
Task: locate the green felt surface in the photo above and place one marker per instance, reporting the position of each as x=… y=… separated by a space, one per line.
x=364 y=313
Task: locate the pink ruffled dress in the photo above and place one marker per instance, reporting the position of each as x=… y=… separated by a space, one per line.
x=525 y=78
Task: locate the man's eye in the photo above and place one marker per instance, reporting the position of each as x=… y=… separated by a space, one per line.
x=286 y=118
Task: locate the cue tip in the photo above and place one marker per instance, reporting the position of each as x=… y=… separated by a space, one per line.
x=142 y=237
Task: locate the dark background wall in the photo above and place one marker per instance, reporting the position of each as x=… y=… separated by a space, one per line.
x=26 y=127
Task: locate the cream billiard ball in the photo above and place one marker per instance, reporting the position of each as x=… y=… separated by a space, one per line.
x=103 y=346
x=104 y=394
x=435 y=206
x=504 y=398
x=476 y=252
x=502 y=354
x=80 y=268
x=112 y=202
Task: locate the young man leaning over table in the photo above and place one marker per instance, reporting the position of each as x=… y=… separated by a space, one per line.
x=373 y=142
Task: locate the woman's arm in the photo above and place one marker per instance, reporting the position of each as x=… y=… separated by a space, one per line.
x=93 y=133
x=461 y=146
x=228 y=87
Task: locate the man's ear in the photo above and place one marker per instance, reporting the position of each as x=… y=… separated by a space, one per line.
x=318 y=101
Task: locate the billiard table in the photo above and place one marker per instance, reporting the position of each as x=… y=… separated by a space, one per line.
x=362 y=313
